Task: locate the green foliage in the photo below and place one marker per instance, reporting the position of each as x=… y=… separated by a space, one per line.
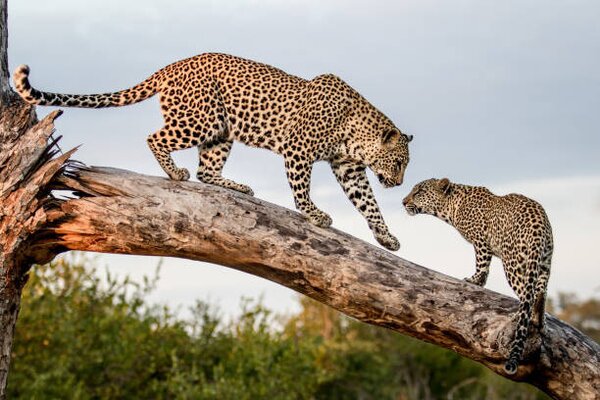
x=82 y=337
x=79 y=337
x=368 y=362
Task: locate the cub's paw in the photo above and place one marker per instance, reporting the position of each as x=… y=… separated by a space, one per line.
x=475 y=280
x=319 y=218
x=388 y=241
x=180 y=174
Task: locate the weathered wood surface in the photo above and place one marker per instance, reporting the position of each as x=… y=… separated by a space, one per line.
x=26 y=170
x=128 y=213
x=9 y=298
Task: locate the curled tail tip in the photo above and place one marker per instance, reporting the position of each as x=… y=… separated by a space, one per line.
x=511 y=366
x=21 y=72
x=20 y=77
x=22 y=85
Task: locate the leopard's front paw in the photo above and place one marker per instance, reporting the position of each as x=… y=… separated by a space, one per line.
x=384 y=237
x=319 y=218
x=180 y=174
x=388 y=241
x=475 y=280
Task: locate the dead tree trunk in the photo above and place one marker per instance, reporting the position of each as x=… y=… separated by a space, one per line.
x=11 y=126
x=26 y=169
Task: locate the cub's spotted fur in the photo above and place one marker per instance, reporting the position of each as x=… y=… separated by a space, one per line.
x=512 y=227
x=210 y=100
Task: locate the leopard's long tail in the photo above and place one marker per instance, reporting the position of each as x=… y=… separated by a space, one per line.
x=524 y=315
x=137 y=93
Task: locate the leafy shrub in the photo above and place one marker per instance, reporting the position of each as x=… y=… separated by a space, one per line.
x=84 y=337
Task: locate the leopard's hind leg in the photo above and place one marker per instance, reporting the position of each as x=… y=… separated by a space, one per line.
x=162 y=143
x=541 y=287
x=212 y=156
x=522 y=273
x=194 y=115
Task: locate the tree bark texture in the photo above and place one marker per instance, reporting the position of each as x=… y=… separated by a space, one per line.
x=123 y=212
x=22 y=188
x=4 y=74
x=26 y=170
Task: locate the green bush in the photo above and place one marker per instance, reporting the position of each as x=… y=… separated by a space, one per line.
x=83 y=337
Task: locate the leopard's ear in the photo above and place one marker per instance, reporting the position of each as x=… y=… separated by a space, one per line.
x=389 y=135
x=444 y=185
x=409 y=138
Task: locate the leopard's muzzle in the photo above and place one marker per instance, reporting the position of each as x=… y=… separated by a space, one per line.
x=388 y=182
x=410 y=207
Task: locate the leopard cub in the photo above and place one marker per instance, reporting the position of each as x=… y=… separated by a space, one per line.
x=512 y=227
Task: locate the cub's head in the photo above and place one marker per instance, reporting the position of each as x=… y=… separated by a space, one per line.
x=428 y=197
x=389 y=157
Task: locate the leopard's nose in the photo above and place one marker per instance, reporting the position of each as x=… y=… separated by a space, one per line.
x=405 y=201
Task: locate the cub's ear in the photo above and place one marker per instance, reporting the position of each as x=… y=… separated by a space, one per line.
x=444 y=185
x=409 y=138
x=389 y=135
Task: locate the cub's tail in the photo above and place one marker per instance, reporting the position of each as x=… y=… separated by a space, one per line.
x=142 y=91
x=524 y=315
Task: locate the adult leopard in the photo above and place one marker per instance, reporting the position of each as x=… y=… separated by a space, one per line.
x=512 y=227
x=212 y=99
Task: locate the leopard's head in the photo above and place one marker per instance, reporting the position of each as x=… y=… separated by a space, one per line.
x=428 y=197
x=389 y=157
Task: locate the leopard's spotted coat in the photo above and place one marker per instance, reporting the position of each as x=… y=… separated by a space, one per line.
x=210 y=100
x=512 y=227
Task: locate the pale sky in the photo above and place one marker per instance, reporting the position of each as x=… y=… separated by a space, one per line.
x=503 y=94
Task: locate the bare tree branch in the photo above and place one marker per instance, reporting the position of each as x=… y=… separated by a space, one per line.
x=123 y=212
